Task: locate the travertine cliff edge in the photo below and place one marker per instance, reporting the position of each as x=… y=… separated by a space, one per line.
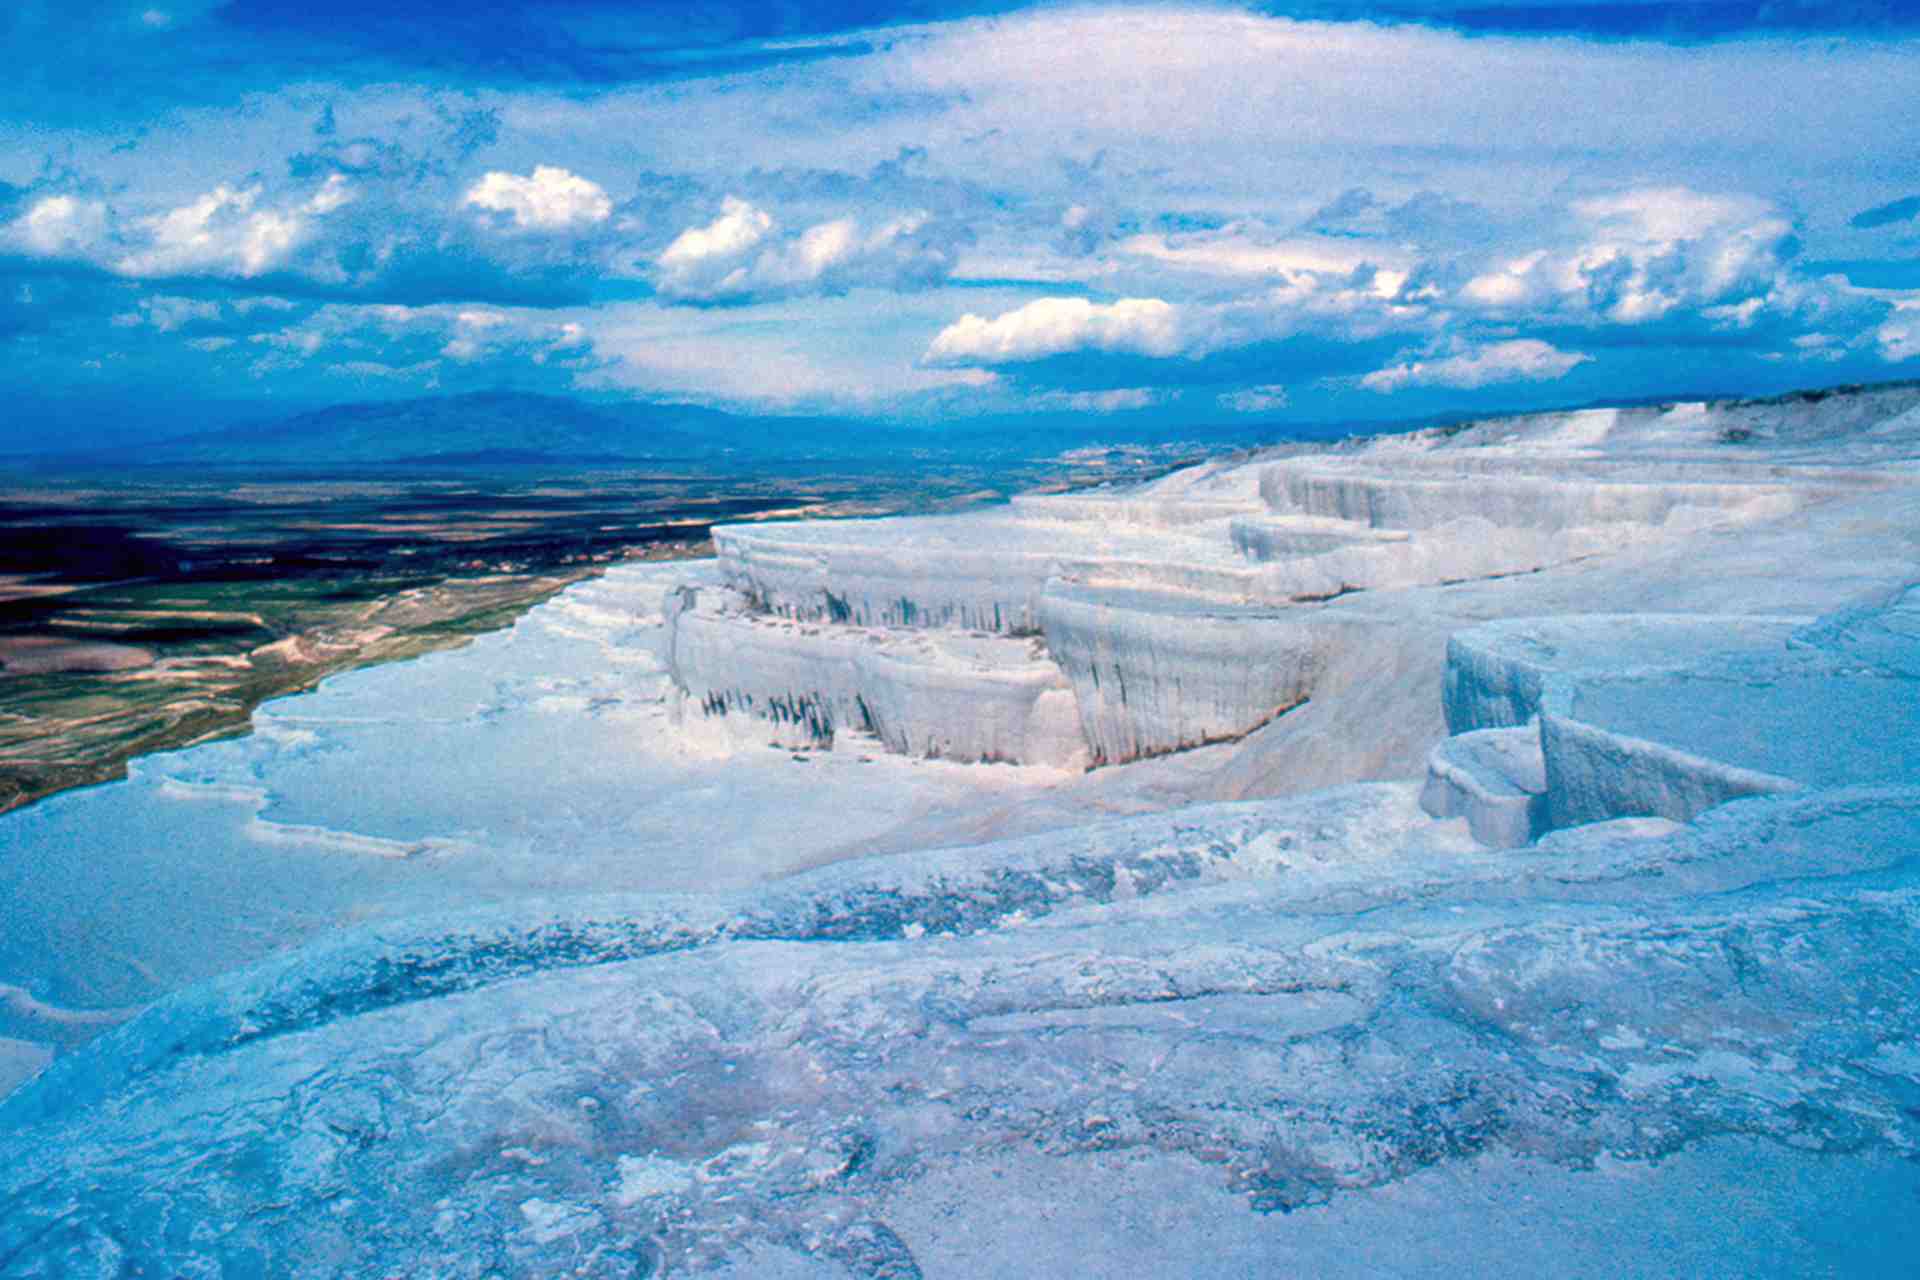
x=1202 y=607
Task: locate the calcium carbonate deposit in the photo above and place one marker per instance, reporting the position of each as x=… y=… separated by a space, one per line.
x=1487 y=851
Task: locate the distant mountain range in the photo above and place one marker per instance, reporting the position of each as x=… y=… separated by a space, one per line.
x=498 y=427
x=519 y=429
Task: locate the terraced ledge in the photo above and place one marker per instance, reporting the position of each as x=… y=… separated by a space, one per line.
x=936 y=694
x=1672 y=716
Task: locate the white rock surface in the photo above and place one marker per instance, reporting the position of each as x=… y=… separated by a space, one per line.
x=1153 y=673
x=1494 y=778
x=1669 y=716
x=1308 y=1006
x=1134 y=589
x=1067 y=1024
x=973 y=697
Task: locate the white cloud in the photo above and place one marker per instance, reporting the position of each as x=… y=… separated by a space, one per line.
x=1054 y=326
x=1301 y=261
x=1518 y=360
x=1115 y=400
x=473 y=333
x=1640 y=255
x=412 y=341
x=1712 y=261
x=706 y=261
x=57 y=226
x=166 y=313
x=550 y=199
x=1262 y=399
x=1662 y=215
x=300 y=340
x=1898 y=337
x=741 y=256
x=1169 y=155
x=224 y=233
x=333 y=193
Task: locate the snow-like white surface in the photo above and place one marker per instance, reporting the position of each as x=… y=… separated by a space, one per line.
x=937 y=694
x=1154 y=673
x=538 y=760
x=1295 y=1006
x=479 y=965
x=1494 y=778
x=1130 y=586
x=1669 y=716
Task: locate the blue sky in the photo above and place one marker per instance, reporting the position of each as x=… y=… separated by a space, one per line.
x=921 y=212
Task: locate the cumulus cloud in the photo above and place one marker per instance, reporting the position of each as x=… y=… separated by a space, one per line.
x=220 y=231
x=743 y=256
x=549 y=199
x=1898 y=338
x=228 y=232
x=165 y=314
x=486 y=333
x=1518 y=360
x=1276 y=202
x=1055 y=326
x=1675 y=263
x=389 y=230
x=59 y=226
x=472 y=328
x=1638 y=256
x=702 y=259
x=1351 y=306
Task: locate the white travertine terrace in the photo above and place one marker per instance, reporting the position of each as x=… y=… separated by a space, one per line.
x=956 y=695
x=1155 y=672
x=1639 y=715
x=1202 y=606
x=1648 y=952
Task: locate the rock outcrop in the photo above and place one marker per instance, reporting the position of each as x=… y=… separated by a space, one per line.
x=1200 y=608
x=1669 y=717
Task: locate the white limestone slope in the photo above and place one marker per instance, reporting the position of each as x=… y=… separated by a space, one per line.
x=1288 y=1026
x=1203 y=606
x=1646 y=958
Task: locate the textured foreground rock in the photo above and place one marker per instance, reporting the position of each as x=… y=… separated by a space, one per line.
x=1296 y=997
